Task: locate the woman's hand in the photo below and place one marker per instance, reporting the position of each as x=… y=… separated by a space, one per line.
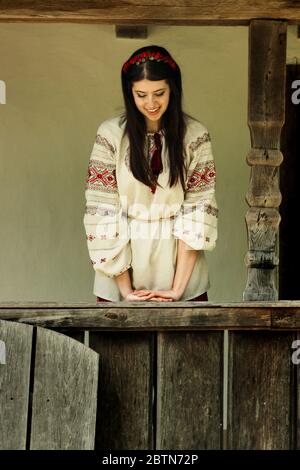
x=159 y=295
x=132 y=296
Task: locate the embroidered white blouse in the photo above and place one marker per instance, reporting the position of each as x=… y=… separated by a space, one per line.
x=129 y=227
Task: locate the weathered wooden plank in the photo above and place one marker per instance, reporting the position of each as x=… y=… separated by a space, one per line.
x=267 y=62
x=14 y=384
x=138 y=316
x=64 y=394
x=124 y=414
x=289 y=257
x=189 y=390
x=260 y=413
x=145 y=318
x=125 y=305
x=286 y=319
x=231 y=12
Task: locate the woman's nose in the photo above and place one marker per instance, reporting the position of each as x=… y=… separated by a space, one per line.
x=151 y=101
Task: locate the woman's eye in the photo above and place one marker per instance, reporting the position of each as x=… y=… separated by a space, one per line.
x=157 y=94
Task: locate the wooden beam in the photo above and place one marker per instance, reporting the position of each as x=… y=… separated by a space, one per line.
x=189 y=12
x=128 y=316
x=266 y=102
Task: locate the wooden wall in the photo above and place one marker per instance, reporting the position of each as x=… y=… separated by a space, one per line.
x=161 y=371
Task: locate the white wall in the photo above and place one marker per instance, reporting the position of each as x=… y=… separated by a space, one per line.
x=62 y=80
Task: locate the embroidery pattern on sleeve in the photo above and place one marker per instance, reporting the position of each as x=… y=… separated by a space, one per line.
x=200 y=140
x=101 y=176
x=202 y=177
x=100 y=140
x=211 y=210
x=93 y=209
x=203 y=207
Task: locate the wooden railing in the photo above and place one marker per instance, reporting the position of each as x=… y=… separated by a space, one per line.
x=166 y=381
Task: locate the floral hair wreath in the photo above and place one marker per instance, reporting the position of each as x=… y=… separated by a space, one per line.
x=140 y=58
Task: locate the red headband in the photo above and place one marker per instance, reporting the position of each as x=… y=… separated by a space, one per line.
x=140 y=58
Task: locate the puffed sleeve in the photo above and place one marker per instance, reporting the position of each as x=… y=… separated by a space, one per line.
x=105 y=225
x=196 y=222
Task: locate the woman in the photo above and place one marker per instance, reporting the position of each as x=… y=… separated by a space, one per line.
x=150 y=191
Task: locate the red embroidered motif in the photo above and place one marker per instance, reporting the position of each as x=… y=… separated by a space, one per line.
x=102 y=260
x=203 y=177
x=101 y=176
x=91 y=237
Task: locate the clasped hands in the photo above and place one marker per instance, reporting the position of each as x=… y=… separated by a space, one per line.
x=153 y=295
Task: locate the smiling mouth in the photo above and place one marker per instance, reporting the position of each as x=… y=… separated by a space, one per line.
x=152 y=111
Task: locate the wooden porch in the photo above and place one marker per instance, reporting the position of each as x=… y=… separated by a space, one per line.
x=164 y=381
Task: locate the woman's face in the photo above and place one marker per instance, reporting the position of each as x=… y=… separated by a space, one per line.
x=151 y=98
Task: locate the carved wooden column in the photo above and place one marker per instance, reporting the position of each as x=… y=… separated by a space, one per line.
x=266 y=104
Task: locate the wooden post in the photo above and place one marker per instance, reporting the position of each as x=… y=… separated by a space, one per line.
x=266 y=103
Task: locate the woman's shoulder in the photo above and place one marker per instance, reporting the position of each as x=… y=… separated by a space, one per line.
x=112 y=127
x=195 y=129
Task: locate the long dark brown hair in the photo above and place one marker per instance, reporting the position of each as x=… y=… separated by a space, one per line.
x=173 y=120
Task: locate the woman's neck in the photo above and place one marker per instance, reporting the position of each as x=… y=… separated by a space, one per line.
x=152 y=131
x=153 y=126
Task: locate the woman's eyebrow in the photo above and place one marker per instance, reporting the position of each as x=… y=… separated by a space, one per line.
x=140 y=91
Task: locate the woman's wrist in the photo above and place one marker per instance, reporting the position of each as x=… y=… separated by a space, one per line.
x=124 y=283
x=186 y=259
x=178 y=292
x=125 y=293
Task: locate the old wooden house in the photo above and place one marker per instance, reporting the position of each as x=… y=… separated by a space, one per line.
x=190 y=375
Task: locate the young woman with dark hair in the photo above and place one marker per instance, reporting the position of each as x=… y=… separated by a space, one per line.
x=151 y=210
